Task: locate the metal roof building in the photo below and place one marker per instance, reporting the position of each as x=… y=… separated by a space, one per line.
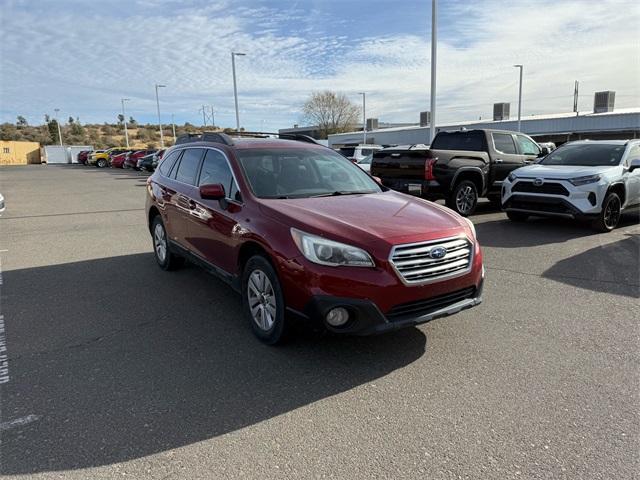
x=558 y=128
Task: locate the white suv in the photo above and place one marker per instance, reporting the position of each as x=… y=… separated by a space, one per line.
x=595 y=180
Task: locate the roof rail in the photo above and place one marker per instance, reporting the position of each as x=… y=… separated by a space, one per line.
x=285 y=136
x=215 y=137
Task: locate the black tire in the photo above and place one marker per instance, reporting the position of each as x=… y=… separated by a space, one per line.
x=464 y=198
x=609 y=216
x=170 y=261
x=518 y=216
x=278 y=330
x=101 y=163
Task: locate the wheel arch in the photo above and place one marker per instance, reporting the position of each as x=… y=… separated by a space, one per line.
x=620 y=189
x=248 y=250
x=153 y=213
x=473 y=174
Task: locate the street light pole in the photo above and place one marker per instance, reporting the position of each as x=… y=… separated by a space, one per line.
x=364 y=117
x=235 y=86
x=173 y=126
x=159 y=121
x=434 y=54
x=124 y=119
x=58 y=123
x=519 y=96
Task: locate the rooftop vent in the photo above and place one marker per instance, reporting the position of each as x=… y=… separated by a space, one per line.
x=603 y=101
x=501 y=111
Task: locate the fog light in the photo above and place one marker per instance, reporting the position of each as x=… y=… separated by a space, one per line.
x=592 y=198
x=337 y=316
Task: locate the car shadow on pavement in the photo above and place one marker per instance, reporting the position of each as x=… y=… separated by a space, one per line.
x=115 y=360
x=612 y=268
x=539 y=231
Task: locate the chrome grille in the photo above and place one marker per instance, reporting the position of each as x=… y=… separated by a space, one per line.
x=415 y=264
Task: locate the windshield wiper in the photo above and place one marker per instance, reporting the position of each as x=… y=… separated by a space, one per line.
x=340 y=192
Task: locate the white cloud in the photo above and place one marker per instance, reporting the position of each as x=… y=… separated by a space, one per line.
x=83 y=62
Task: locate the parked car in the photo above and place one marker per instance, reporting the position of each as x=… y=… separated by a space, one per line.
x=117 y=161
x=148 y=163
x=459 y=166
x=594 y=180
x=359 y=152
x=131 y=160
x=92 y=158
x=102 y=158
x=365 y=163
x=284 y=222
x=549 y=146
x=82 y=156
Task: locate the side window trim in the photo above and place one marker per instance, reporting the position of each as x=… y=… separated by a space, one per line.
x=233 y=175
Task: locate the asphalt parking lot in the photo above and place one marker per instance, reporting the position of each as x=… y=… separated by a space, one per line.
x=119 y=369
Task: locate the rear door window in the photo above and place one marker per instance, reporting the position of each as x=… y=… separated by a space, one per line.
x=504 y=142
x=188 y=166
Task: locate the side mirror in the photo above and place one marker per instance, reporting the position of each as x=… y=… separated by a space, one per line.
x=544 y=151
x=213 y=191
x=635 y=163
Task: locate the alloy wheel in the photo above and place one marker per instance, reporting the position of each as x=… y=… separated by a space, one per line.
x=160 y=243
x=465 y=199
x=262 y=300
x=612 y=212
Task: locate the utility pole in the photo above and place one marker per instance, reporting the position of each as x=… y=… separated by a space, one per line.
x=173 y=126
x=235 y=87
x=575 y=97
x=204 y=115
x=434 y=55
x=58 y=123
x=213 y=119
x=124 y=119
x=519 y=97
x=159 y=120
x=364 y=117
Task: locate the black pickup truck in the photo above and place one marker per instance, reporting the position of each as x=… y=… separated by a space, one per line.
x=459 y=166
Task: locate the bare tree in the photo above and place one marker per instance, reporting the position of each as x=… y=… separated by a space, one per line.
x=332 y=112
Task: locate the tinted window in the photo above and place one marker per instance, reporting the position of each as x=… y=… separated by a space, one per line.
x=215 y=169
x=348 y=151
x=366 y=151
x=527 y=147
x=468 y=141
x=167 y=163
x=188 y=167
x=504 y=142
x=585 y=154
x=300 y=172
x=634 y=153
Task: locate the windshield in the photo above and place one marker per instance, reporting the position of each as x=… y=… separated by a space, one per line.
x=301 y=173
x=586 y=154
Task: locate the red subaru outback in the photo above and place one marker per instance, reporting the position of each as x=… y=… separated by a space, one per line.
x=304 y=234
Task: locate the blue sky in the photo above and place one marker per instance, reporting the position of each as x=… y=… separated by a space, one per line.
x=84 y=56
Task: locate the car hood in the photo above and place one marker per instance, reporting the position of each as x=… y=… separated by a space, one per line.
x=388 y=217
x=560 y=171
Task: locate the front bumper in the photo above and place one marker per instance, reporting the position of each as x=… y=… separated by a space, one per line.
x=365 y=318
x=576 y=203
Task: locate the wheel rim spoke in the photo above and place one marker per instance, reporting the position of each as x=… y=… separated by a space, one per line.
x=262 y=300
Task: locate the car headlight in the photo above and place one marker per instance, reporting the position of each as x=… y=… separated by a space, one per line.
x=471 y=226
x=584 y=180
x=327 y=252
x=511 y=177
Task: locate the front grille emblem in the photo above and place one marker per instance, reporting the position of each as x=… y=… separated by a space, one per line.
x=538 y=182
x=437 y=252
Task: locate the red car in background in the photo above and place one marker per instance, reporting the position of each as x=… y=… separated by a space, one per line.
x=83 y=156
x=131 y=159
x=117 y=161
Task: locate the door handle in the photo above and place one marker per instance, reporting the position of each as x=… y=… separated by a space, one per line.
x=497 y=160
